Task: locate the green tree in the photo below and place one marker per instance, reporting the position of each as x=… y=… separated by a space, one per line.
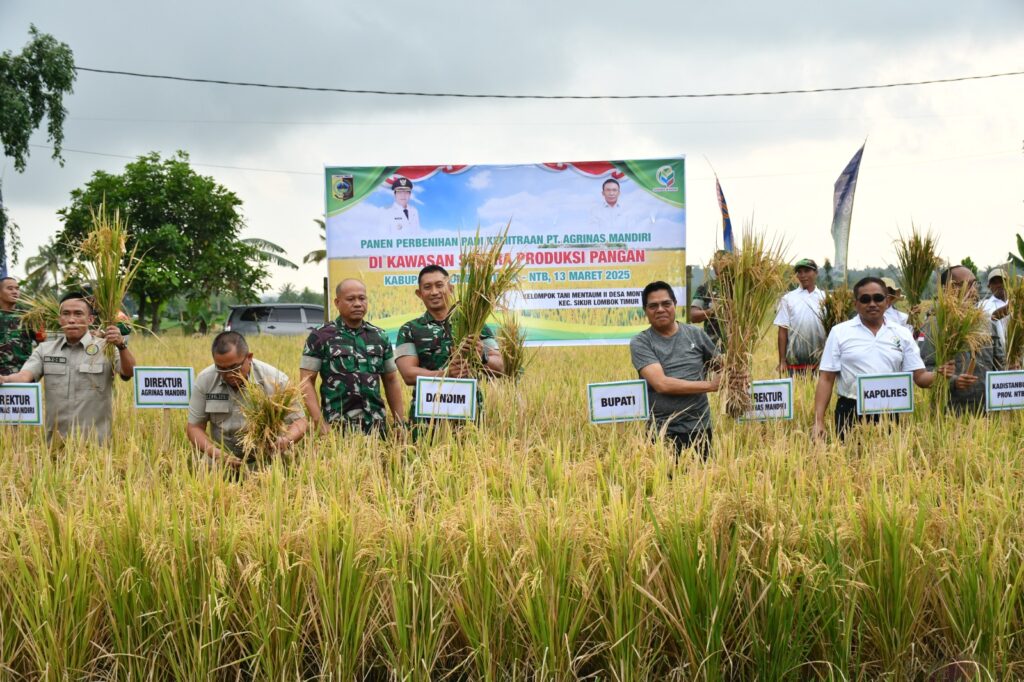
x=185 y=225
x=969 y=264
x=828 y=282
x=1017 y=259
x=318 y=256
x=32 y=87
x=45 y=270
x=288 y=294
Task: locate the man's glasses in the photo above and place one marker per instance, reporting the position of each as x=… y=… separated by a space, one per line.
x=869 y=298
x=655 y=305
x=231 y=370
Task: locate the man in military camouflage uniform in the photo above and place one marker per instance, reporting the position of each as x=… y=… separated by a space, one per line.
x=15 y=341
x=424 y=345
x=353 y=358
x=217 y=402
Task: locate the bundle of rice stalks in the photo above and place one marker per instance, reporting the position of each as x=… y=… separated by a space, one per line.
x=1014 y=285
x=836 y=307
x=41 y=312
x=957 y=326
x=751 y=281
x=918 y=257
x=266 y=417
x=486 y=276
x=512 y=342
x=109 y=266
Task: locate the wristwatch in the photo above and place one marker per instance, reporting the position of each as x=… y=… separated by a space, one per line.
x=123 y=344
x=483 y=355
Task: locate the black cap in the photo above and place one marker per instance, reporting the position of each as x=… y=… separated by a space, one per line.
x=401 y=183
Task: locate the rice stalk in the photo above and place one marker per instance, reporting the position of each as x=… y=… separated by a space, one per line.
x=41 y=312
x=836 y=307
x=266 y=414
x=918 y=257
x=957 y=326
x=751 y=281
x=486 y=276
x=512 y=343
x=1014 y=285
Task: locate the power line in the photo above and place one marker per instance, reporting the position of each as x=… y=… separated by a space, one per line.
x=465 y=95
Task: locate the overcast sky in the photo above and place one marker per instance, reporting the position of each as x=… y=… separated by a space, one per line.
x=943 y=156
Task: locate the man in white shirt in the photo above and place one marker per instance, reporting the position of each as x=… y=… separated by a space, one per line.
x=608 y=217
x=892 y=314
x=801 y=334
x=995 y=304
x=401 y=218
x=867 y=344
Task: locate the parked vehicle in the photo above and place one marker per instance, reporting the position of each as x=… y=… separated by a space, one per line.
x=278 y=319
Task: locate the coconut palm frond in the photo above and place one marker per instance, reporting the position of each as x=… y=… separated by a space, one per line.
x=269 y=252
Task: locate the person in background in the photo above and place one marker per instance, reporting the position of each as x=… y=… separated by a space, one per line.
x=702 y=308
x=16 y=342
x=801 y=335
x=893 y=315
x=995 y=304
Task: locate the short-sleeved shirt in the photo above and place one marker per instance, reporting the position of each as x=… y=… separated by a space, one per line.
x=990 y=305
x=703 y=298
x=800 y=314
x=852 y=350
x=898 y=317
x=351 y=363
x=15 y=342
x=216 y=403
x=430 y=340
x=684 y=355
x=78 y=385
x=988 y=358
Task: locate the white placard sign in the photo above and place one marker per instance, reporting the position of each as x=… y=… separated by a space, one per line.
x=885 y=393
x=166 y=387
x=445 y=398
x=773 y=399
x=21 y=404
x=618 y=401
x=1004 y=391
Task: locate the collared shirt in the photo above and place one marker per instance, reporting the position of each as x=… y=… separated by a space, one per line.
x=351 y=363
x=219 y=404
x=430 y=340
x=400 y=221
x=800 y=313
x=78 y=384
x=852 y=350
x=684 y=355
x=15 y=342
x=898 y=317
x=991 y=304
x=608 y=218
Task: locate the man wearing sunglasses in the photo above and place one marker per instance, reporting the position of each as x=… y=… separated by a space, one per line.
x=867 y=344
x=215 y=401
x=676 y=360
x=968 y=370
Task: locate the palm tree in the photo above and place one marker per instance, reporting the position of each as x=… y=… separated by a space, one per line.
x=43 y=271
x=269 y=252
x=318 y=256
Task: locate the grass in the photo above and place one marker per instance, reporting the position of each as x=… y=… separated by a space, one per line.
x=534 y=546
x=917 y=255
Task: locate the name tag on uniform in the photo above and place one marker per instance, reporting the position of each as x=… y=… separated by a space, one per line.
x=21 y=404
x=445 y=399
x=1004 y=391
x=885 y=393
x=55 y=358
x=618 y=401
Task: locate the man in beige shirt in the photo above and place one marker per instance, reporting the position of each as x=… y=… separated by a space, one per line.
x=78 y=377
x=216 y=397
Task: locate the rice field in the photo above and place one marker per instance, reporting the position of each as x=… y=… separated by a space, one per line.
x=535 y=547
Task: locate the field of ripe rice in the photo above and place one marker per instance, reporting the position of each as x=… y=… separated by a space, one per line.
x=535 y=547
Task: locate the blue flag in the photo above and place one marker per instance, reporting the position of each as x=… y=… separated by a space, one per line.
x=842 y=210
x=727 y=242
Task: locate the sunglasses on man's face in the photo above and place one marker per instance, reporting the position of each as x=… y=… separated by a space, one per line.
x=868 y=298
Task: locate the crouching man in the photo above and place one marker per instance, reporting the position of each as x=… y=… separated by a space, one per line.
x=216 y=398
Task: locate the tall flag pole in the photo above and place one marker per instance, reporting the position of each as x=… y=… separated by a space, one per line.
x=727 y=242
x=842 y=210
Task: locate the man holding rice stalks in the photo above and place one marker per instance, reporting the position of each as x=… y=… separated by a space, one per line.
x=801 y=333
x=424 y=346
x=353 y=358
x=675 y=359
x=867 y=344
x=960 y=331
x=218 y=401
x=703 y=308
x=16 y=341
x=79 y=375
